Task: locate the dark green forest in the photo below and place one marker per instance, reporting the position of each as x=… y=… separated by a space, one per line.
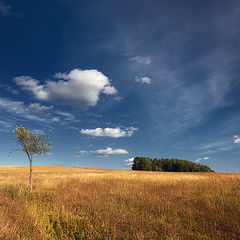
x=168 y=165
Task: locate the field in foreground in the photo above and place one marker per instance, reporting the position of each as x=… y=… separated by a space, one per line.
x=82 y=203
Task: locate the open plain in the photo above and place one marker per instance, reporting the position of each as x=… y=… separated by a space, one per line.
x=84 y=203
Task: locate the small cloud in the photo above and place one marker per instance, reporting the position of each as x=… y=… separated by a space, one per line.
x=118 y=99
x=56 y=119
x=141 y=60
x=128 y=162
x=202 y=159
x=236 y=139
x=80 y=153
x=109 y=132
x=109 y=151
x=146 y=80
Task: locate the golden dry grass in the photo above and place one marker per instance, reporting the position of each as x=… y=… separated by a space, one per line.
x=82 y=203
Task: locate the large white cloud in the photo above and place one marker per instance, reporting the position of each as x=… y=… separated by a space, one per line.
x=109 y=132
x=78 y=87
x=109 y=151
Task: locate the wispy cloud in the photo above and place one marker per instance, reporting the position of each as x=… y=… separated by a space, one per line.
x=20 y=109
x=9 y=88
x=141 y=60
x=6 y=10
x=217 y=146
x=38 y=107
x=80 y=153
x=202 y=159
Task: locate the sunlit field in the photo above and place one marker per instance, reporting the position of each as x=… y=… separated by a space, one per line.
x=82 y=203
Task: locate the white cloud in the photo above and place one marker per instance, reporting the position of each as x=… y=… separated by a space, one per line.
x=109 y=151
x=78 y=87
x=129 y=162
x=141 y=60
x=56 y=119
x=146 y=80
x=38 y=107
x=109 y=132
x=80 y=153
x=236 y=139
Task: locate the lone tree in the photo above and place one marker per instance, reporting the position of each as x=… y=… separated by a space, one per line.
x=32 y=143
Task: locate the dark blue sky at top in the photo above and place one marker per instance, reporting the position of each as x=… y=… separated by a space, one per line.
x=173 y=68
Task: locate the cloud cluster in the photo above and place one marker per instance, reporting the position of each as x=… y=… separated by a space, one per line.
x=236 y=139
x=78 y=87
x=109 y=132
x=146 y=80
x=109 y=151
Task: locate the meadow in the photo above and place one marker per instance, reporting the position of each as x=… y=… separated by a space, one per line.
x=84 y=203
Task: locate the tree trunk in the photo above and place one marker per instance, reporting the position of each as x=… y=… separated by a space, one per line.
x=30 y=177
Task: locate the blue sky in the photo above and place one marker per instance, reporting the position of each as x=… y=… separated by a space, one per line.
x=107 y=81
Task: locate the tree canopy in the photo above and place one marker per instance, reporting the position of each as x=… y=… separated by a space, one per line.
x=168 y=165
x=32 y=142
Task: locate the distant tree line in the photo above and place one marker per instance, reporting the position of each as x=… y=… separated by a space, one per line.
x=168 y=165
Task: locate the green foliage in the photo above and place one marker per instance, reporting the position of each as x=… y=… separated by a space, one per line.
x=32 y=142
x=168 y=165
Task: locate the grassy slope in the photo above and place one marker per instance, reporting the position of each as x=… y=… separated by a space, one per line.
x=82 y=203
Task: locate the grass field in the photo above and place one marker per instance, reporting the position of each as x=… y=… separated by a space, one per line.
x=82 y=203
